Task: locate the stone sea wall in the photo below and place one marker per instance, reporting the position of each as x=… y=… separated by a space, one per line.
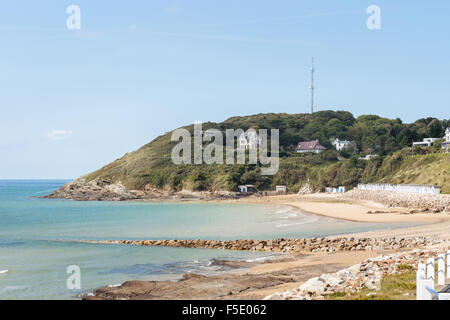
x=415 y=201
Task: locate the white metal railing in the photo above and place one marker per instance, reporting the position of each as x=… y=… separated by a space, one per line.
x=426 y=277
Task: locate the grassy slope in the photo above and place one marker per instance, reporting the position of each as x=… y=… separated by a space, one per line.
x=400 y=286
x=427 y=169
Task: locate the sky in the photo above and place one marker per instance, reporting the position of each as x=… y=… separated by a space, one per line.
x=73 y=100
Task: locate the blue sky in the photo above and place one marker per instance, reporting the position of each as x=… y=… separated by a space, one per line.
x=74 y=100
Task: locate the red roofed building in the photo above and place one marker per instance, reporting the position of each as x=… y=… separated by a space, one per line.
x=310 y=146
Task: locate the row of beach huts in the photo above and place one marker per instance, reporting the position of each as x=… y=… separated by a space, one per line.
x=407 y=188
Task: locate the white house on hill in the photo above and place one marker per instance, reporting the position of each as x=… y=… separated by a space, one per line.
x=249 y=140
x=427 y=142
x=340 y=144
x=446 y=143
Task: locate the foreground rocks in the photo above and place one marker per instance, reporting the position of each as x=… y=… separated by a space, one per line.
x=301 y=245
x=353 y=279
x=417 y=202
x=191 y=286
x=239 y=284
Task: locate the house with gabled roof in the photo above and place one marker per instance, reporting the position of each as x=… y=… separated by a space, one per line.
x=310 y=146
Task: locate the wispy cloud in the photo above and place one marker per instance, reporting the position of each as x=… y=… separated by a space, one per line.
x=173 y=9
x=89 y=34
x=58 y=134
x=232 y=38
x=306 y=15
x=132 y=27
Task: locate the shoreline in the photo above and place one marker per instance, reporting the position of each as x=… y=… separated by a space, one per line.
x=332 y=206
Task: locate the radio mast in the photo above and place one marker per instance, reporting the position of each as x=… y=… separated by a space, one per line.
x=312 y=86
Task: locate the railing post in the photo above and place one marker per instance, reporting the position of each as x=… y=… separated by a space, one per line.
x=448 y=264
x=441 y=269
x=419 y=277
x=424 y=286
x=430 y=269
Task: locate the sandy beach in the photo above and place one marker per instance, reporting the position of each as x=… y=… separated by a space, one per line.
x=257 y=281
x=332 y=206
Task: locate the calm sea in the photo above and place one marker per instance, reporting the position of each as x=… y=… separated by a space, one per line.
x=33 y=260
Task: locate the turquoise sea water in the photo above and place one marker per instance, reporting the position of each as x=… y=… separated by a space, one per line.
x=36 y=260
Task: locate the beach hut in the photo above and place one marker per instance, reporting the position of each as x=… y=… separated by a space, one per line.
x=281 y=189
x=247 y=188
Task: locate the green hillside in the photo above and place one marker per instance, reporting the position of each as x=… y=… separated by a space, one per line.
x=151 y=165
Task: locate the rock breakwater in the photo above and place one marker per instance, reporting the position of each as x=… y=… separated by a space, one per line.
x=302 y=245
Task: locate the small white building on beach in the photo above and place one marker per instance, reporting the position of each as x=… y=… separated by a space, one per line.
x=340 y=189
x=247 y=188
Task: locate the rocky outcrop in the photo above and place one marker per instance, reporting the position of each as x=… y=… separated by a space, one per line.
x=98 y=189
x=353 y=279
x=415 y=201
x=104 y=190
x=289 y=245
x=306 y=189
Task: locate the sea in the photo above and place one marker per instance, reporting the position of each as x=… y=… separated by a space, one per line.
x=38 y=239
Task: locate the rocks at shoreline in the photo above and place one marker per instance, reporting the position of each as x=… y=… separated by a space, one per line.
x=98 y=189
x=417 y=202
x=104 y=190
x=301 y=245
x=190 y=286
x=353 y=279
